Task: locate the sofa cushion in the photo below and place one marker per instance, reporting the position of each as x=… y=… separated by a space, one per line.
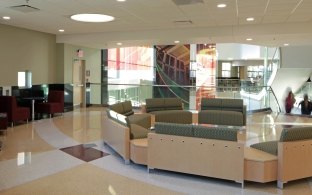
x=154 y=104
x=209 y=116
x=138 y=132
x=117 y=108
x=128 y=113
x=269 y=147
x=174 y=129
x=229 y=134
x=127 y=108
x=296 y=133
x=231 y=118
x=232 y=105
x=210 y=104
x=173 y=104
x=143 y=120
x=173 y=116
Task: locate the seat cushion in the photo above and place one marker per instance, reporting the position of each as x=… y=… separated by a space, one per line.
x=138 y=132
x=269 y=147
x=231 y=118
x=209 y=116
x=143 y=120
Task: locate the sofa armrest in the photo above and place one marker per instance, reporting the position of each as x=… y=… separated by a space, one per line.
x=117 y=136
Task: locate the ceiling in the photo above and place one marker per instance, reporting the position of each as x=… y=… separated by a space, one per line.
x=148 y=22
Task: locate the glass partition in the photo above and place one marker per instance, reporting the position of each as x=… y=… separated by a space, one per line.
x=139 y=93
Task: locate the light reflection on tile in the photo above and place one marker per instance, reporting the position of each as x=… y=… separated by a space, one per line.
x=42 y=164
x=23 y=158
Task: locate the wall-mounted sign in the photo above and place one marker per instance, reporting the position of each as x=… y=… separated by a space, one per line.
x=80 y=53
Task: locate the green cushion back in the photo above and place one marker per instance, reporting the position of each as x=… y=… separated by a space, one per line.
x=210 y=104
x=173 y=104
x=296 y=133
x=154 y=104
x=117 y=108
x=127 y=107
x=174 y=129
x=232 y=104
x=229 y=134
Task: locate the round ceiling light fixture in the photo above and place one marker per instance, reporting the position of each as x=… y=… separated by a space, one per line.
x=92 y=18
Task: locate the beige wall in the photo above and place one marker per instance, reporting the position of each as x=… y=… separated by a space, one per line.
x=22 y=49
x=65 y=57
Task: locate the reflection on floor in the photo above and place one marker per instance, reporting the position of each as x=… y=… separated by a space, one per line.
x=33 y=162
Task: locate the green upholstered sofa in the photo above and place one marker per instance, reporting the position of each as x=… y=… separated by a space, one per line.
x=168 y=110
x=222 y=112
x=123 y=125
x=294 y=152
x=196 y=149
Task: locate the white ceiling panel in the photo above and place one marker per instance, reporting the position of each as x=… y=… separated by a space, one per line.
x=137 y=21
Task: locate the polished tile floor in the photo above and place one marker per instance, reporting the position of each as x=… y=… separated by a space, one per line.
x=66 y=155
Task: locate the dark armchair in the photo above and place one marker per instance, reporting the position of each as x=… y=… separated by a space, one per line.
x=15 y=113
x=55 y=103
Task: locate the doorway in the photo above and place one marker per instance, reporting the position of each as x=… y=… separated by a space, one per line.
x=79 y=95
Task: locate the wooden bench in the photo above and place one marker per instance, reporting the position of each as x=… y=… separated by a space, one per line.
x=259 y=166
x=138 y=151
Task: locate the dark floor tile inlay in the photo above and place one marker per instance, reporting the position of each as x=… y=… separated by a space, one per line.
x=84 y=152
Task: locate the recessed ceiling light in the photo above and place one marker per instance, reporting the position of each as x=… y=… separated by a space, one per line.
x=249 y=39
x=119 y=43
x=250 y=19
x=121 y=0
x=61 y=30
x=92 y=18
x=222 y=5
x=286 y=44
x=176 y=41
x=6 y=17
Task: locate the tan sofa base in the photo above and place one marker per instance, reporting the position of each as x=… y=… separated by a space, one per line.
x=295 y=161
x=138 y=151
x=198 y=156
x=117 y=137
x=259 y=166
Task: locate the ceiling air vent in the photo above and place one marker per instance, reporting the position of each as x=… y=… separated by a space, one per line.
x=24 y=8
x=186 y=2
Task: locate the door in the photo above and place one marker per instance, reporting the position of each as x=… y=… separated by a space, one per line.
x=78 y=83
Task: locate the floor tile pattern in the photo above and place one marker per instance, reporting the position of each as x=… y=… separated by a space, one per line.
x=84 y=152
x=31 y=162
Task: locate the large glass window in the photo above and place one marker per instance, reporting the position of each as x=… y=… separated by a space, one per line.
x=24 y=79
x=226 y=69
